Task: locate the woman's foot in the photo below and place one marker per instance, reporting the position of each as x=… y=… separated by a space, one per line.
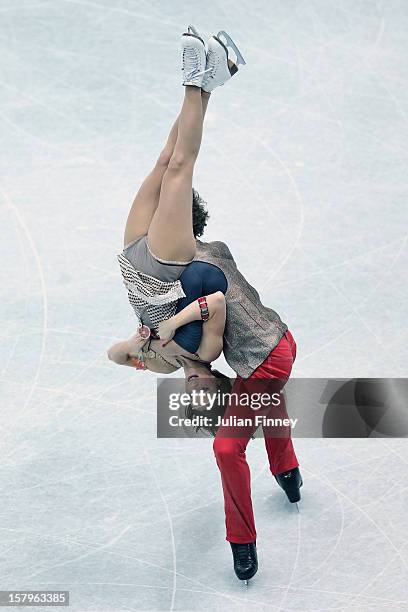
x=220 y=68
x=194 y=58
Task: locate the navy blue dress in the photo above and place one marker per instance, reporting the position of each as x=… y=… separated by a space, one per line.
x=198 y=279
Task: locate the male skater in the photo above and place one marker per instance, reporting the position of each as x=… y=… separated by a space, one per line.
x=259 y=347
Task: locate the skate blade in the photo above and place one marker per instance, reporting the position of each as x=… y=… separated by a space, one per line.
x=297 y=506
x=246 y=581
x=230 y=43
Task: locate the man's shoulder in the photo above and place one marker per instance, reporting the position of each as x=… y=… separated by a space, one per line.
x=216 y=248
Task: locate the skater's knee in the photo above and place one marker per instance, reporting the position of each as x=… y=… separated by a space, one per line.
x=181 y=162
x=164 y=158
x=226 y=450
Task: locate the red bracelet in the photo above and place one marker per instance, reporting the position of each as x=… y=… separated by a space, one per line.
x=205 y=314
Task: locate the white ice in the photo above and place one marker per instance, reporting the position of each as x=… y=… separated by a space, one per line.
x=304 y=168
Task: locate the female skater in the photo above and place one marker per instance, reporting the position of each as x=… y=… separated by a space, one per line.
x=159 y=240
x=160 y=235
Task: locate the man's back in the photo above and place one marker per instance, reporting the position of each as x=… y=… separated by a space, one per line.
x=252 y=330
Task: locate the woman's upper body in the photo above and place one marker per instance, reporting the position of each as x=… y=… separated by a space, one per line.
x=182 y=333
x=164 y=355
x=251 y=331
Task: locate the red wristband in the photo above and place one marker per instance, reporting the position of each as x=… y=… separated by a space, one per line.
x=205 y=314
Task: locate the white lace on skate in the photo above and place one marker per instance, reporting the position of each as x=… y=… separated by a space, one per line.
x=194 y=60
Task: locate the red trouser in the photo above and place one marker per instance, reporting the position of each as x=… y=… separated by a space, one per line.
x=230 y=451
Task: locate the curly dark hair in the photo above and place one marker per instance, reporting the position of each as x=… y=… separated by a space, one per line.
x=200 y=214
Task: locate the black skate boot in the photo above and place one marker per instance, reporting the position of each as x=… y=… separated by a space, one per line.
x=245 y=560
x=290 y=482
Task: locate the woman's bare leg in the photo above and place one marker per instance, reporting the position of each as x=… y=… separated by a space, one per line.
x=147 y=198
x=170 y=233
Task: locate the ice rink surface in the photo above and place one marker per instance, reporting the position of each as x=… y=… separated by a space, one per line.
x=304 y=168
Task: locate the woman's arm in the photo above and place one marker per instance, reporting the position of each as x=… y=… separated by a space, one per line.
x=128 y=351
x=133 y=353
x=212 y=338
x=192 y=312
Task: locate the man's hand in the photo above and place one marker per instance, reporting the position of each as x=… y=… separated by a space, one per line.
x=166 y=331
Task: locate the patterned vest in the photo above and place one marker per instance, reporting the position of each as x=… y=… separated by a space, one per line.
x=252 y=330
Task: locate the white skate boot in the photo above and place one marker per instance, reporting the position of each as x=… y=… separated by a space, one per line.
x=219 y=71
x=193 y=30
x=194 y=57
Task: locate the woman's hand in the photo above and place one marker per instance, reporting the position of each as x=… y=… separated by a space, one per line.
x=135 y=344
x=129 y=352
x=167 y=330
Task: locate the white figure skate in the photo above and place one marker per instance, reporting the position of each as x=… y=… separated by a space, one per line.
x=193 y=30
x=194 y=57
x=218 y=69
